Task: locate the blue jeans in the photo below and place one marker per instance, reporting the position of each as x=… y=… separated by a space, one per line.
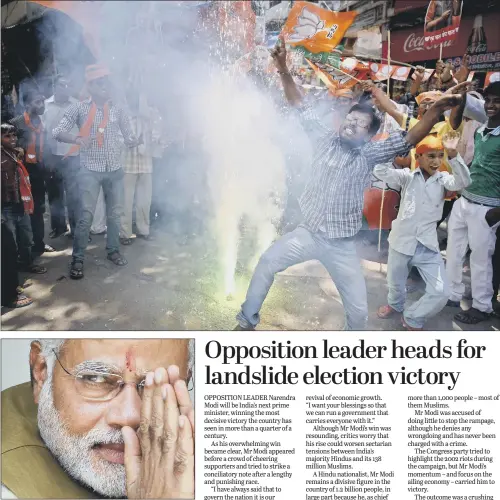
x=89 y=184
x=337 y=255
x=430 y=265
x=19 y=224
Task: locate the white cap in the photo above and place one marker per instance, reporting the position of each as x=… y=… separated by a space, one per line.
x=478 y=21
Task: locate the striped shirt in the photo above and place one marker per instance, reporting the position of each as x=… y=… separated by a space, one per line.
x=96 y=158
x=334 y=195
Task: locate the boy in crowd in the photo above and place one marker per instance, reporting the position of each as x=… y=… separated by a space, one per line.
x=17 y=199
x=413 y=239
x=471 y=223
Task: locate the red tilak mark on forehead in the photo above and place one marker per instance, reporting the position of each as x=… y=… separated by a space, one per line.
x=130 y=361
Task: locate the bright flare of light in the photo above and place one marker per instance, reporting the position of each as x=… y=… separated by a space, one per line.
x=230 y=260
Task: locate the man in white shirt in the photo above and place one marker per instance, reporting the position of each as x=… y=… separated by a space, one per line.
x=63 y=169
x=138 y=168
x=413 y=239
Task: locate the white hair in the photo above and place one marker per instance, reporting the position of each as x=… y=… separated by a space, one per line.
x=49 y=346
x=74 y=452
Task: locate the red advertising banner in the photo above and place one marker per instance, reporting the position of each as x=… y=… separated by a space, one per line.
x=409 y=45
x=442 y=22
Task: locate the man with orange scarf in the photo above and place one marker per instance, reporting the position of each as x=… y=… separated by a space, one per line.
x=17 y=204
x=31 y=140
x=102 y=125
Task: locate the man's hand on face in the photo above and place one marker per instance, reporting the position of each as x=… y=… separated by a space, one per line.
x=159 y=458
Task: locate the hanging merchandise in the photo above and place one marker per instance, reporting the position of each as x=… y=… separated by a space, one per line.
x=442 y=22
x=316 y=31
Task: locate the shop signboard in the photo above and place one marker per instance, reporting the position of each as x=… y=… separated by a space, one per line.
x=409 y=45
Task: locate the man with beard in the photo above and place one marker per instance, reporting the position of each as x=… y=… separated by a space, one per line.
x=332 y=203
x=98 y=417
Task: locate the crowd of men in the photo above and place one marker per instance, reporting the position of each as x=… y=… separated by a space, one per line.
x=94 y=161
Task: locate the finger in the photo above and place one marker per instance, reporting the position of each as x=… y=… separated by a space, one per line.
x=173 y=374
x=146 y=410
x=184 y=464
x=191 y=421
x=132 y=460
x=183 y=398
x=171 y=424
x=157 y=417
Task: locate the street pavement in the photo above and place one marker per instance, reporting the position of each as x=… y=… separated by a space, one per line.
x=172 y=286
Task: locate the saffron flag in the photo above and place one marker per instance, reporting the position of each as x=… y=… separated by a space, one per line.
x=491 y=76
x=401 y=73
x=381 y=72
x=317 y=30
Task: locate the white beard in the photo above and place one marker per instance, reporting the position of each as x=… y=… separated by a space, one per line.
x=74 y=452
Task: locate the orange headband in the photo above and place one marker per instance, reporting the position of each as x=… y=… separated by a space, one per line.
x=432 y=95
x=430 y=143
x=95 y=71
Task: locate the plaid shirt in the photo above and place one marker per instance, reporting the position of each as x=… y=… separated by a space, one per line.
x=333 y=198
x=108 y=157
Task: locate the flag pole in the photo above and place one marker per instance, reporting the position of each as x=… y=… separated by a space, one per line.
x=383 y=188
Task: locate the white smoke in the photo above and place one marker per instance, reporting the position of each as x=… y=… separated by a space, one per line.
x=236 y=137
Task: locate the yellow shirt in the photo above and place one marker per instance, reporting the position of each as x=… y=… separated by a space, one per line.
x=440 y=129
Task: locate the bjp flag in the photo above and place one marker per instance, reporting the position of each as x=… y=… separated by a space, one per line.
x=331 y=84
x=491 y=76
x=316 y=29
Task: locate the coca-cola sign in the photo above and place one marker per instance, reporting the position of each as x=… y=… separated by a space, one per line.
x=409 y=45
x=414 y=42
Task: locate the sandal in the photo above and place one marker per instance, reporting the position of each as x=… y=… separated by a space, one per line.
x=117 y=259
x=126 y=241
x=21 y=301
x=385 y=312
x=408 y=327
x=37 y=269
x=76 y=270
x=472 y=316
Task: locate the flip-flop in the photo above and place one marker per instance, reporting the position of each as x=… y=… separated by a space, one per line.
x=117 y=259
x=472 y=316
x=21 y=301
x=385 y=312
x=76 y=270
x=126 y=241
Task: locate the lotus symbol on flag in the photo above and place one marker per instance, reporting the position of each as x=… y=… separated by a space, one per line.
x=309 y=24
